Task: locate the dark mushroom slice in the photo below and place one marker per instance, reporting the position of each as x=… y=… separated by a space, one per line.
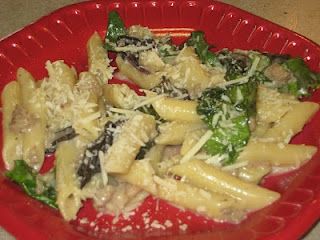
x=145 y=149
x=133 y=59
x=60 y=136
x=166 y=87
x=90 y=164
x=277 y=58
x=133 y=44
x=236 y=64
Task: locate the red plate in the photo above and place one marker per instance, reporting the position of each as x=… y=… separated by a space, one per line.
x=63 y=35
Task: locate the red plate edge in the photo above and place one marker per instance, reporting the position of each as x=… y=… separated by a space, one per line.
x=310 y=212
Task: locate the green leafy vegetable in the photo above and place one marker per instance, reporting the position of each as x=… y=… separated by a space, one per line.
x=236 y=64
x=227 y=112
x=115 y=29
x=27 y=179
x=229 y=140
x=202 y=48
x=305 y=80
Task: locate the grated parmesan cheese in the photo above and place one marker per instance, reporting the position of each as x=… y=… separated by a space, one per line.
x=197 y=147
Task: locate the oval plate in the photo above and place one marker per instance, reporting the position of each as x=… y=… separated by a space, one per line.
x=63 y=35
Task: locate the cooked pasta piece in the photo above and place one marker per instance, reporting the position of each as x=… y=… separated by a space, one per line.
x=203 y=175
x=292 y=122
x=253 y=173
x=177 y=110
x=86 y=106
x=141 y=174
x=120 y=96
x=62 y=73
x=174 y=133
x=142 y=79
x=67 y=184
x=12 y=139
x=190 y=74
x=98 y=61
x=137 y=131
x=191 y=139
x=272 y=105
x=154 y=155
x=34 y=135
x=277 y=154
x=215 y=205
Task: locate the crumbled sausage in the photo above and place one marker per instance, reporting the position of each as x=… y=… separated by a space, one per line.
x=21 y=120
x=277 y=73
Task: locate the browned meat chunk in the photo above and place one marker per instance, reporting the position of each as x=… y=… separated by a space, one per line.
x=277 y=73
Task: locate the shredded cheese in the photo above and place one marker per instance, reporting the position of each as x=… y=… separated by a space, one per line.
x=244 y=79
x=123 y=111
x=103 y=172
x=149 y=101
x=196 y=147
x=235 y=166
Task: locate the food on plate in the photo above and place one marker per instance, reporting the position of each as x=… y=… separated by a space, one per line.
x=202 y=132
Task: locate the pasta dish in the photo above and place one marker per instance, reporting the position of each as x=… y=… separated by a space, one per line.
x=202 y=131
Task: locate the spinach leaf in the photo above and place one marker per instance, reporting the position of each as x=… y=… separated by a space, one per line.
x=115 y=29
x=202 y=48
x=305 y=79
x=227 y=112
x=23 y=175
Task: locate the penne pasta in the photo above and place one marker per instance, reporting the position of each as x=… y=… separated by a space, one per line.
x=34 y=135
x=154 y=155
x=98 y=61
x=12 y=140
x=191 y=139
x=272 y=105
x=277 y=154
x=189 y=73
x=141 y=174
x=120 y=96
x=218 y=206
x=67 y=185
x=143 y=80
x=137 y=131
x=292 y=122
x=202 y=175
x=62 y=73
x=253 y=174
x=86 y=121
x=174 y=133
x=177 y=110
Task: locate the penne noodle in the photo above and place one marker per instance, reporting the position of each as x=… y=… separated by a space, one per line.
x=272 y=105
x=143 y=80
x=277 y=154
x=67 y=185
x=12 y=140
x=86 y=123
x=137 y=131
x=292 y=122
x=177 y=110
x=174 y=133
x=202 y=175
x=98 y=61
x=215 y=205
x=141 y=174
x=191 y=139
x=154 y=155
x=35 y=135
x=253 y=174
x=120 y=96
x=62 y=73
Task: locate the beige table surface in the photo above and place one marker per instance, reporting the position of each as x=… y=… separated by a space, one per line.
x=302 y=16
